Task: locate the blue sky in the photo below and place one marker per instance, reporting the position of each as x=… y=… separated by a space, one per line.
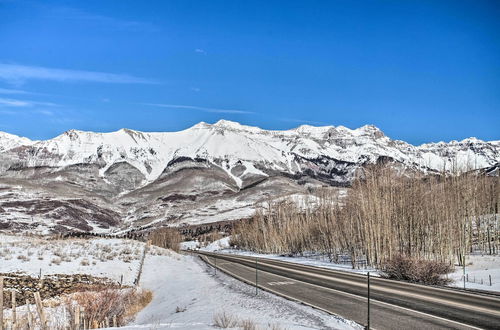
x=419 y=70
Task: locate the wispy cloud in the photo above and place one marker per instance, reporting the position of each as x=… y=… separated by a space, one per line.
x=45 y=112
x=100 y=21
x=12 y=91
x=200 y=51
x=18 y=74
x=195 y=89
x=204 y=109
x=16 y=103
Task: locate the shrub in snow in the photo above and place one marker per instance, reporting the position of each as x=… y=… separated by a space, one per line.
x=23 y=257
x=107 y=304
x=56 y=261
x=416 y=270
x=247 y=325
x=180 y=309
x=224 y=320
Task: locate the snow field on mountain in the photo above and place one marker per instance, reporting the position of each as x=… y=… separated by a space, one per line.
x=235 y=143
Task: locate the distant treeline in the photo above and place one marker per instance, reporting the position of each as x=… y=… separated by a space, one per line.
x=189 y=232
x=384 y=215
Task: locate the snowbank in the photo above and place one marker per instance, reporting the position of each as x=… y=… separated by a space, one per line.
x=217 y=245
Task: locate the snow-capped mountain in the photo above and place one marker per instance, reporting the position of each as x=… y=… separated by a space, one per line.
x=229 y=145
x=9 y=141
x=200 y=174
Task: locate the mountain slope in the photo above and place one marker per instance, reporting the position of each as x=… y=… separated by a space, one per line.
x=201 y=174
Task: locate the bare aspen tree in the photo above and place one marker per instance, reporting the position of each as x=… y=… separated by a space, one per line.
x=440 y=217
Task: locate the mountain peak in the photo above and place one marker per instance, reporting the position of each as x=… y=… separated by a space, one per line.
x=309 y=129
x=228 y=143
x=228 y=124
x=235 y=126
x=201 y=124
x=73 y=134
x=371 y=130
x=127 y=130
x=8 y=141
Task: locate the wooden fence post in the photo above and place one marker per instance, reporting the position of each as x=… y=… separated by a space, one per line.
x=30 y=316
x=84 y=320
x=77 y=317
x=41 y=313
x=1 y=302
x=13 y=302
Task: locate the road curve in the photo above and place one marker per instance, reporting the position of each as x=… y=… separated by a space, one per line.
x=394 y=304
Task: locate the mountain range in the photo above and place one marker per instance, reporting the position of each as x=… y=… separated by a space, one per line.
x=111 y=182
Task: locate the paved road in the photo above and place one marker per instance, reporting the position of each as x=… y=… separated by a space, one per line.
x=395 y=305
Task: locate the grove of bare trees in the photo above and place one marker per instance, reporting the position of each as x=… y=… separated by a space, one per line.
x=385 y=214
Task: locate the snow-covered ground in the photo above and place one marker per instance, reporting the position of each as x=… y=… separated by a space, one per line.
x=479 y=268
x=110 y=258
x=220 y=244
x=187 y=295
x=190 y=245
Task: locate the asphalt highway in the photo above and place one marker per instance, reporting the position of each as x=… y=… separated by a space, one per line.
x=394 y=304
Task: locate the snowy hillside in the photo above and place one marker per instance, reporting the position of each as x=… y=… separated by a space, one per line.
x=209 y=172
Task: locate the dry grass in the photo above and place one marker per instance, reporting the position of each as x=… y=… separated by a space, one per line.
x=247 y=324
x=68 y=250
x=102 y=305
x=225 y=320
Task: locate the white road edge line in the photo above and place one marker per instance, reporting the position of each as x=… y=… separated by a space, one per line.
x=344 y=293
x=381 y=288
x=342 y=272
x=279 y=293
